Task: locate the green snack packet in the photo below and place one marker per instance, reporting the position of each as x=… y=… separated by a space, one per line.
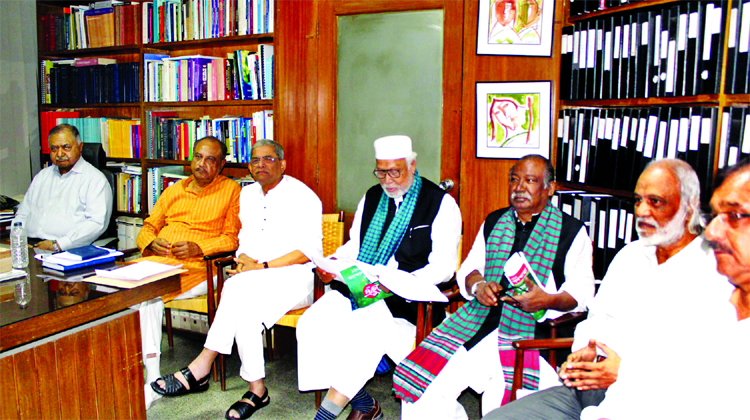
x=364 y=291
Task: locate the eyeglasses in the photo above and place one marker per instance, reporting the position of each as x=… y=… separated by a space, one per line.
x=266 y=159
x=381 y=173
x=66 y=147
x=731 y=218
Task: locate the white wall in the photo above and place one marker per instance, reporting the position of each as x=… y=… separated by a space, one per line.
x=19 y=118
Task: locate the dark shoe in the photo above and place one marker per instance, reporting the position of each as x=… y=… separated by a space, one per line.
x=174 y=388
x=375 y=414
x=246 y=410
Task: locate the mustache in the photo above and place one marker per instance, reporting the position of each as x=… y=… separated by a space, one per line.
x=647 y=221
x=718 y=247
x=524 y=194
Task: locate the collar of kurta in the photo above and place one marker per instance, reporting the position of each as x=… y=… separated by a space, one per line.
x=77 y=168
x=213 y=184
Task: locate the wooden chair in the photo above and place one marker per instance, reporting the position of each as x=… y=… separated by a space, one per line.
x=333 y=238
x=424 y=309
x=553 y=343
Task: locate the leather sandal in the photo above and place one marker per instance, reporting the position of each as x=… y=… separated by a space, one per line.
x=174 y=388
x=246 y=410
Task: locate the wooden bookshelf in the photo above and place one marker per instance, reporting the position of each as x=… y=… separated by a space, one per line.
x=293 y=23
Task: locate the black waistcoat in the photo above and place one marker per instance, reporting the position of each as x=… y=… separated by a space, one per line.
x=416 y=245
x=570 y=228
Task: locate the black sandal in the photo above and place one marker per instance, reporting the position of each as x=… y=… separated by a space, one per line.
x=174 y=388
x=246 y=410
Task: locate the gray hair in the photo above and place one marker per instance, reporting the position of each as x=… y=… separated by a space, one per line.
x=66 y=127
x=411 y=158
x=265 y=142
x=690 y=190
x=549 y=170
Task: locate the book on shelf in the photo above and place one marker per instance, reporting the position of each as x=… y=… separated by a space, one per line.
x=119 y=136
x=48 y=120
x=67 y=82
x=81 y=26
x=128 y=187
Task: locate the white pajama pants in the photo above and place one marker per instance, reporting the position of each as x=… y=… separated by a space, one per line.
x=340 y=348
x=251 y=300
x=478 y=368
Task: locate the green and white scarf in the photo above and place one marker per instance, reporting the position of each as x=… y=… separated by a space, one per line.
x=419 y=369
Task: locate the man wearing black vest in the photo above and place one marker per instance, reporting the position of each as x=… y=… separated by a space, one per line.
x=472 y=348
x=406 y=223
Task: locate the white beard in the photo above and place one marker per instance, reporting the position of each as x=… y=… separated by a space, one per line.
x=664 y=235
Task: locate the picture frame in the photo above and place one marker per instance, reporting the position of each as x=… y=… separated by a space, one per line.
x=515 y=27
x=513 y=119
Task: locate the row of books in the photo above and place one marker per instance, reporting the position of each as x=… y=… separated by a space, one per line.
x=738 y=67
x=243 y=75
x=128 y=229
x=119 y=136
x=580 y=7
x=171 y=137
x=662 y=52
x=89 y=81
x=184 y=20
x=128 y=184
x=100 y=24
x=610 y=147
x=609 y=221
x=735 y=136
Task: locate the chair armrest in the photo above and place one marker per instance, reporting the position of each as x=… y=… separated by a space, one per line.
x=217 y=255
x=221 y=262
x=543 y=344
x=569 y=318
x=318 y=286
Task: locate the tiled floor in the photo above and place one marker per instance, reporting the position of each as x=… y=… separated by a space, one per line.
x=286 y=401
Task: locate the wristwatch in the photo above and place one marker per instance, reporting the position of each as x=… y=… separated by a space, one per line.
x=55 y=246
x=265 y=265
x=475 y=286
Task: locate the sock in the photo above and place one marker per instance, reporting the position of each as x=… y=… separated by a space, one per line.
x=328 y=410
x=362 y=402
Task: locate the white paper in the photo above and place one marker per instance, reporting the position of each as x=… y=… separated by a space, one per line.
x=12 y=274
x=137 y=271
x=397 y=281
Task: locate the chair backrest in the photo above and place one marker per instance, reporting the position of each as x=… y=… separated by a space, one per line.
x=94 y=154
x=333 y=232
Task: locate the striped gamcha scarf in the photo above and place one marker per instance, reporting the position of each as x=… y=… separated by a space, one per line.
x=419 y=369
x=372 y=252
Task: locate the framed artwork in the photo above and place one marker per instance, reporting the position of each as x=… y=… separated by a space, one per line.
x=513 y=119
x=515 y=27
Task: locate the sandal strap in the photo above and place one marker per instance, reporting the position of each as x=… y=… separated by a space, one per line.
x=192 y=382
x=245 y=410
x=172 y=385
x=256 y=400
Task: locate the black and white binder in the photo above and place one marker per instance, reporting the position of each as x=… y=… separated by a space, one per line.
x=606 y=92
x=635 y=34
x=576 y=66
x=694 y=47
x=670 y=87
x=742 y=67
x=616 y=49
x=682 y=33
x=625 y=57
x=644 y=52
x=655 y=60
x=566 y=62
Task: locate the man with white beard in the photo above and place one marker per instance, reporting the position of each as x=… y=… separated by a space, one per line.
x=672 y=266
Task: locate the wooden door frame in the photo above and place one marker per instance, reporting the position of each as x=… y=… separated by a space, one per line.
x=328 y=11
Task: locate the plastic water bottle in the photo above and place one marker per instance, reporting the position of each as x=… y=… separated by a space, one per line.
x=19 y=248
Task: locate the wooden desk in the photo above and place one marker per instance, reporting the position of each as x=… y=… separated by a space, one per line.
x=79 y=361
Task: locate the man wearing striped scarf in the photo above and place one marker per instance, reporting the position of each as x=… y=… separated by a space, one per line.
x=463 y=351
x=405 y=222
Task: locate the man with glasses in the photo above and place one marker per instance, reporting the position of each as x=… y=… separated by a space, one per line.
x=281 y=230
x=406 y=223
x=668 y=273
x=472 y=348
x=68 y=204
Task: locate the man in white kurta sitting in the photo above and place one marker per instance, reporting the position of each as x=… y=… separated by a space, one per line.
x=406 y=223
x=671 y=254
x=281 y=229
x=68 y=204
x=472 y=347
x=680 y=372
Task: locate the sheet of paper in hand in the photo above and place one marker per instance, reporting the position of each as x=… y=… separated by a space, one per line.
x=517 y=270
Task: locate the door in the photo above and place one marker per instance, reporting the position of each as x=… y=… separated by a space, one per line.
x=387 y=67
